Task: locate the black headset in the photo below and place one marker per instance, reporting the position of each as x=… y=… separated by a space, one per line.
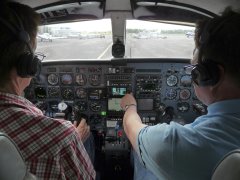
x=28 y=64
x=206 y=72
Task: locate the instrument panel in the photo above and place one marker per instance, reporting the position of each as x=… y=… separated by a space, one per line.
x=93 y=90
x=96 y=89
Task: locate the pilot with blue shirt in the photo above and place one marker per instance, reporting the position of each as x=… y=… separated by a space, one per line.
x=192 y=151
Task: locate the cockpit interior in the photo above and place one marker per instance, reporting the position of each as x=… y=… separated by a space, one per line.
x=96 y=51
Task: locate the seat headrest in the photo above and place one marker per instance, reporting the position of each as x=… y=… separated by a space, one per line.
x=12 y=166
x=229 y=167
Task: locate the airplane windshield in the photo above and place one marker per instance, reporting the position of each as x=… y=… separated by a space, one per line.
x=93 y=40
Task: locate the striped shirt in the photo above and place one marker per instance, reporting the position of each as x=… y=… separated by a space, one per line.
x=52 y=148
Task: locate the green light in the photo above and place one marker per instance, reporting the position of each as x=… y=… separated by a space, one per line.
x=103 y=113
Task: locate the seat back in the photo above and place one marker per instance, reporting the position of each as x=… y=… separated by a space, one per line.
x=229 y=167
x=12 y=165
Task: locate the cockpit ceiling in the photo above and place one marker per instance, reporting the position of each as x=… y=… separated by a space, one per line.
x=188 y=11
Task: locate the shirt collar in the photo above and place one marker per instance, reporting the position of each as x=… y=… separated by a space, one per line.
x=226 y=107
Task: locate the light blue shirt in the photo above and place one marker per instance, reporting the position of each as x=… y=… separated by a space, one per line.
x=191 y=152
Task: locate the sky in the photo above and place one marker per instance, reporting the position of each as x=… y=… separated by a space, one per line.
x=105 y=25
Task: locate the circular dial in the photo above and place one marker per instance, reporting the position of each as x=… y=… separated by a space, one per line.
x=80 y=79
x=161 y=107
x=172 y=80
x=183 y=106
x=95 y=79
x=80 y=106
x=95 y=106
x=62 y=106
x=186 y=80
x=53 y=92
x=184 y=94
x=52 y=79
x=81 y=93
x=66 y=79
x=67 y=93
x=171 y=94
x=40 y=92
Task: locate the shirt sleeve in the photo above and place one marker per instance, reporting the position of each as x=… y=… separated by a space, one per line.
x=155 y=149
x=75 y=161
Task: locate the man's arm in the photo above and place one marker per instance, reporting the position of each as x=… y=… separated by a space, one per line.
x=75 y=160
x=131 y=120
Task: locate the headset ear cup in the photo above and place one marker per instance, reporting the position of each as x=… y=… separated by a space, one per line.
x=213 y=72
x=28 y=65
x=206 y=74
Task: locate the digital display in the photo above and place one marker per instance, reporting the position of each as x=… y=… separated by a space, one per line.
x=149 y=87
x=114 y=104
x=116 y=91
x=145 y=104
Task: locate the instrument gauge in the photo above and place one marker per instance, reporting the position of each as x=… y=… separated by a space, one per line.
x=171 y=94
x=52 y=79
x=67 y=93
x=81 y=93
x=80 y=79
x=186 y=80
x=40 y=92
x=62 y=106
x=66 y=79
x=80 y=106
x=53 y=92
x=172 y=80
x=184 y=94
x=95 y=79
x=95 y=106
x=183 y=106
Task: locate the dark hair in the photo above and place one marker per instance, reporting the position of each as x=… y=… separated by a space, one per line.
x=222 y=44
x=10 y=46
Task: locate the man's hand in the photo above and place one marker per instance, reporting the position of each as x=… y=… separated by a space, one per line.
x=127 y=100
x=82 y=129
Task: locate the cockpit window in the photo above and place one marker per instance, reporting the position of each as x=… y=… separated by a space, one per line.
x=93 y=40
x=158 y=40
x=78 y=40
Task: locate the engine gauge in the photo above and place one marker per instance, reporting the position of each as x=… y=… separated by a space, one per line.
x=95 y=79
x=67 y=93
x=66 y=79
x=52 y=79
x=184 y=94
x=80 y=106
x=171 y=94
x=199 y=108
x=186 y=80
x=80 y=79
x=183 y=106
x=95 y=106
x=161 y=107
x=172 y=80
x=53 y=92
x=81 y=93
